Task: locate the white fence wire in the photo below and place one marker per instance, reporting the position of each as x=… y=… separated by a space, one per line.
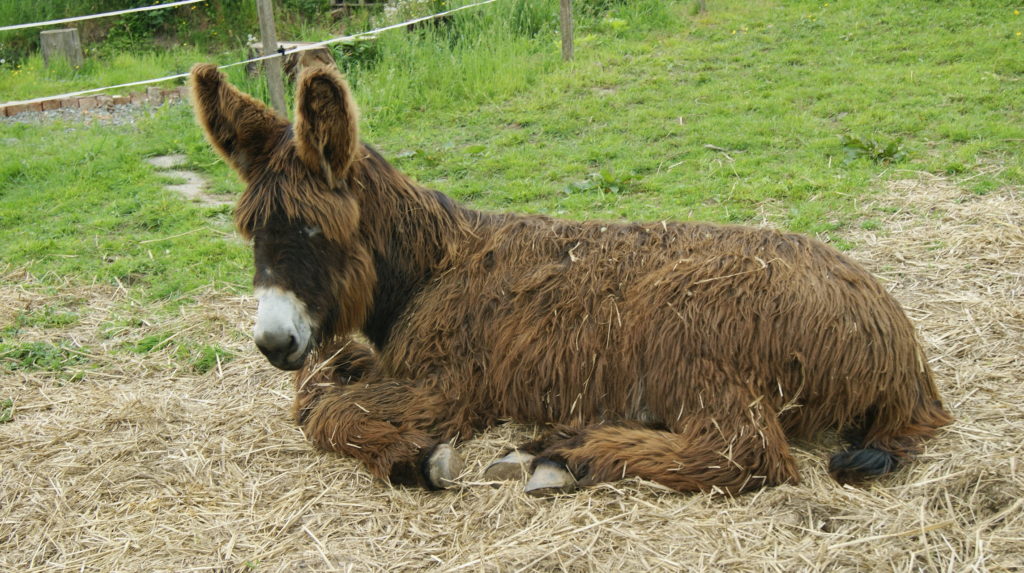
x=94 y=16
x=278 y=54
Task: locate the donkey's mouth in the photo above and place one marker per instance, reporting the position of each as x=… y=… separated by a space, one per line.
x=286 y=351
x=290 y=358
x=289 y=350
x=291 y=361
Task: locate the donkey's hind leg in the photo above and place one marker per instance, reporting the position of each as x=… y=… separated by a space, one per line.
x=743 y=451
x=385 y=423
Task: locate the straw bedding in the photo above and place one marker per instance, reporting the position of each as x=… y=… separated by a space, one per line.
x=143 y=464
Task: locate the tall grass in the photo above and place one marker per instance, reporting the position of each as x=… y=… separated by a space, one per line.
x=213 y=25
x=32 y=78
x=477 y=56
x=472 y=59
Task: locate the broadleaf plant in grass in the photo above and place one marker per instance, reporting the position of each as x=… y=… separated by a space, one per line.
x=856 y=148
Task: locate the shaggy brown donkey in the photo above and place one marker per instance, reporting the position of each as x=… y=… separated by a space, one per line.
x=683 y=353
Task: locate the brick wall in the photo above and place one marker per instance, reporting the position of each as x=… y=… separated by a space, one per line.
x=152 y=96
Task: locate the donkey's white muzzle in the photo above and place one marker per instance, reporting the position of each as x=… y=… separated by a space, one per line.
x=283 y=328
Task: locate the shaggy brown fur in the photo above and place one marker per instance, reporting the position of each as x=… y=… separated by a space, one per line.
x=684 y=353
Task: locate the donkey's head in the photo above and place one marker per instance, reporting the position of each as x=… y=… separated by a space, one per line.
x=313 y=276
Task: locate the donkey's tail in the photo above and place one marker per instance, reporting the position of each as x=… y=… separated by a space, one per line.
x=887 y=437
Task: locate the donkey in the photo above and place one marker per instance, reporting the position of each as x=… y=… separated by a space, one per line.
x=684 y=353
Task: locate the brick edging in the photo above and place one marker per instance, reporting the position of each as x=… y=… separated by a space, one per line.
x=152 y=96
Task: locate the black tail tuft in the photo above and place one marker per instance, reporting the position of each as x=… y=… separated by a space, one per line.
x=853 y=466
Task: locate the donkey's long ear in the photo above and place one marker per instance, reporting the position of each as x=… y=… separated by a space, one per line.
x=326 y=123
x=240 y=128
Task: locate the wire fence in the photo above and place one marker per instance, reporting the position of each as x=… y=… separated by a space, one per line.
x=101 y=15
x=279 y=54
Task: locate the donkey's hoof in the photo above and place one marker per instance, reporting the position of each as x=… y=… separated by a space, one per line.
x=444 y=466
x=550 y=478
x=515 y=465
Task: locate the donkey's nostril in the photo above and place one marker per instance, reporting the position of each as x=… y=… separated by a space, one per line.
x=276 y=343
x=280 y=347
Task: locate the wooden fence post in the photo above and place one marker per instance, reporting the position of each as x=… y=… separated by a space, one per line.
x=61 y=45
x=272 y=66
x=567 y=32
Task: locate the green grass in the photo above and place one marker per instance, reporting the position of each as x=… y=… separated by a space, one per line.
x=30 y=78
x=79 y=201
x=774 y=86
x=6 y=410
x=39 y=356
x=663 y=114
x=215 y=26
x=202 y=357
x=48 y=316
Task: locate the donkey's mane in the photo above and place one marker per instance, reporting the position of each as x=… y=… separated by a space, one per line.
x=374 y=174
x=264 y=196
x=278 y=188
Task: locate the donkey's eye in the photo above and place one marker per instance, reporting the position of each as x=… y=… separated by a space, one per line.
x=312 y=231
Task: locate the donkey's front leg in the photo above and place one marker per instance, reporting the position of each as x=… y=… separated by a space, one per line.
x=388 y=424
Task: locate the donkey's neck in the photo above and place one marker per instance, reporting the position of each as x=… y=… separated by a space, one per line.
x=409 y=230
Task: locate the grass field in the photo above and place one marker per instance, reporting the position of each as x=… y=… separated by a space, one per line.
x=140 y=429
x=733 y=115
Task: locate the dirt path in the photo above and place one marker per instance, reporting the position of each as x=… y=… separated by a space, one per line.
x=193 y=186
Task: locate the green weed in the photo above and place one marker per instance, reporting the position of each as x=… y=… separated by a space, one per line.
x=48 y=316
x=6 y=410
x=205 y=358
x=202 y=357
x=603 y=181
x=856 y=148
x=871 y=225
x=153 y=342
x=39 y=356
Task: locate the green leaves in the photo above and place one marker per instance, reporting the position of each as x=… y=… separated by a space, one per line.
x=6 y=410
x=855 y=148
x=39 y=356
x=202 y=357
x=603 y=181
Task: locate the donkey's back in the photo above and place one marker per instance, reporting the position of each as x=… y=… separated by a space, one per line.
x=571 y=323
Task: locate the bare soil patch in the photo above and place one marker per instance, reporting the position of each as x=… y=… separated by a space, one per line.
x=143 y=464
